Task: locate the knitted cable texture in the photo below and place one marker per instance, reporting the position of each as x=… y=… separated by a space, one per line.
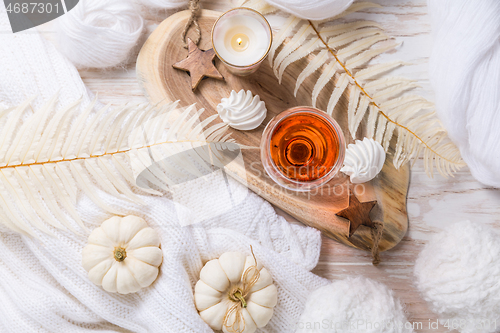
x=43 y=286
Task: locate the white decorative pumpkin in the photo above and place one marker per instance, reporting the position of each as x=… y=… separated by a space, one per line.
x=226 y=291
x=123 y=255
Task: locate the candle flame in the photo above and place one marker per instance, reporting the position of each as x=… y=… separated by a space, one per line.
x=239 y=41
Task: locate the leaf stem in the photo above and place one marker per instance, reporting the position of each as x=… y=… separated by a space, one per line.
x=98 y=155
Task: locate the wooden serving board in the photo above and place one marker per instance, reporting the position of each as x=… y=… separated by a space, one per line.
x=161 y=82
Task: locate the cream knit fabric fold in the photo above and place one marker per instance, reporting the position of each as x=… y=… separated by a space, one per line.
x=43 y=287
x=306 y=9
x=464 y=69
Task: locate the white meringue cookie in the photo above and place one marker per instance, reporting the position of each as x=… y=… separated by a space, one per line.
x=242 y=111
x=363 y=160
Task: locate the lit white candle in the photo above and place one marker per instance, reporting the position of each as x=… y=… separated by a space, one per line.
x=241 y=38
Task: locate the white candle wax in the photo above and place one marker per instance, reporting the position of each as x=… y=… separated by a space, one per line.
x=241 y=40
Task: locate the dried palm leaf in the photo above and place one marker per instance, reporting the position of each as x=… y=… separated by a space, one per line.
x=48 y=156
x=341 y=52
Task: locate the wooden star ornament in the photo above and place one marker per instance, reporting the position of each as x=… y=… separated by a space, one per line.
x=199 y=64
x=358 y=213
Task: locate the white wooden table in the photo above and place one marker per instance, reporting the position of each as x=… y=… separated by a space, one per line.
x=433 y=204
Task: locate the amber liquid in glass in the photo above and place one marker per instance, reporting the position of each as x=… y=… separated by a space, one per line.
x=304 y=147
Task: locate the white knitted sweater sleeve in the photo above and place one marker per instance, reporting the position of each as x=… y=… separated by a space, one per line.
x=43 y=287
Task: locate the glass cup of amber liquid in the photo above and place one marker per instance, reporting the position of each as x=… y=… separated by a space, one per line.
x=302 y=148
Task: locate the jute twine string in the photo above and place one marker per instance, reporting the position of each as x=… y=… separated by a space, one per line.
x=194 y=7
x=377 y=232
x=236 y=323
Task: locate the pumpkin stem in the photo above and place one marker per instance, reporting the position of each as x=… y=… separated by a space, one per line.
x=240 y=297
x=120 y=253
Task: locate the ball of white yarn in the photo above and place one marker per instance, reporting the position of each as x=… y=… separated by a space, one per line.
x=458 y=273
x=355 y=304
x=99 y=33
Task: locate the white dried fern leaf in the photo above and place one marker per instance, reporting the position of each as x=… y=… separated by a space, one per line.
x=47 y=157
x=340 y=51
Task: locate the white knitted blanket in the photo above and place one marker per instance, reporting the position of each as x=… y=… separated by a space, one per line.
x=43 y=287
x=464 y=69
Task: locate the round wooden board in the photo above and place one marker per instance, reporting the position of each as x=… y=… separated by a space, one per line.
x=161 y=82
